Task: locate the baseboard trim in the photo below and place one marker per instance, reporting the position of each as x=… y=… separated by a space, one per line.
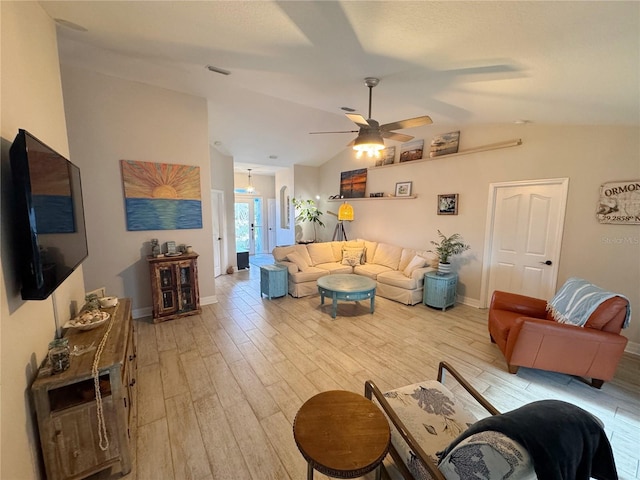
x=633 y=348
x=472 y=302
x=209 y=300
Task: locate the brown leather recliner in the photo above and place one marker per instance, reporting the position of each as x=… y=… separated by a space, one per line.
x=529 y=337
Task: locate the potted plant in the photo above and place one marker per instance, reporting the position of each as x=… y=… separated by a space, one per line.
x=446 y=248
x=308 y=212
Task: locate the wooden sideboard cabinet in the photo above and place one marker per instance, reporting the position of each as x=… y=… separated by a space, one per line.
x=174 y=286
x=66 y=408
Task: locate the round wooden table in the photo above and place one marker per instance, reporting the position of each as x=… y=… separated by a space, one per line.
x=341 y=434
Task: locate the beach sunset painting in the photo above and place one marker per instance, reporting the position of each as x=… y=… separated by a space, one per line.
x=161 y=196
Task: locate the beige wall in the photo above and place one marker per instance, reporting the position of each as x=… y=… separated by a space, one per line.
x=608 y=255
x=112 y=119
x=31 y=99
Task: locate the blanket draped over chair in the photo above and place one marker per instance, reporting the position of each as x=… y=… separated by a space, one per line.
x=577 y=299
x=565 y=442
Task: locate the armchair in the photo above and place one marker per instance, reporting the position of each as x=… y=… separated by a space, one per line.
x=528 y=336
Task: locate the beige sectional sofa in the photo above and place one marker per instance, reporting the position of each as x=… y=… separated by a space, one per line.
x=398 y=272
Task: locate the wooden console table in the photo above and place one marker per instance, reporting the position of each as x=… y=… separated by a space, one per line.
x=66 y=405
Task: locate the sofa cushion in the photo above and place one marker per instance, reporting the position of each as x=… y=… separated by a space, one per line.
x=398 y=279
x=335 y=267
x=296 y=258
x=387 y=255
x=369 y=249
x=415 y=263
x=320 y=253
x=370 y=270
x=337 y=250
x=492 y=453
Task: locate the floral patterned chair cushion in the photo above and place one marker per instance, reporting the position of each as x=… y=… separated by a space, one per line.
x=435 y=418
x=433 y=415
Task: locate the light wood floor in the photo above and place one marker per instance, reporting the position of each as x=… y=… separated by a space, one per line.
x=217 y=393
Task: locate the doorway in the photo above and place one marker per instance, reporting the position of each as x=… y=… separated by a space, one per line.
x=249 y=225
x=525 y=222
x=218 y=220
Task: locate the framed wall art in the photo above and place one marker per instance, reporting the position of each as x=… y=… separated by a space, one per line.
x=411 y=150
x=403 y=189
x=161 y=196
x=448 y=204
x=444 y=144
x=353 y=183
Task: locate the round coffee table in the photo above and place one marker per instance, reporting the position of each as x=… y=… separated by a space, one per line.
x=346 y=286
x=341 y=434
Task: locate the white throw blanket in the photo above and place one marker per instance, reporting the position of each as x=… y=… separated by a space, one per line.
x=577 y=299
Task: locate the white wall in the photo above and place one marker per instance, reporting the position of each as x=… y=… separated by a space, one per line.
x=31 y=99
x=112 y=119
x=608 y=255
x=284 y=178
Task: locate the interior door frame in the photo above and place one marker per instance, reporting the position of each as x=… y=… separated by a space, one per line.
x=489 y=226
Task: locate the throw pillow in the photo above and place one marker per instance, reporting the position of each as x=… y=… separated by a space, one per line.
x=298 y=260
x=352 y=256
x=415 y=263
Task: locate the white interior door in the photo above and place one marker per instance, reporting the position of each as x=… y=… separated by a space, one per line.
x=271 y=223
x=524 y=237
x=218 y=221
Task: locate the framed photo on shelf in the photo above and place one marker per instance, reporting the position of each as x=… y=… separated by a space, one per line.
x=388 y=155
x=448 y=204
x=411 y=150
x=444 y=144
x=403 y=189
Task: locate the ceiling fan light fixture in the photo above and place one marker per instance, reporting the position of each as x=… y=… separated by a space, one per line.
x=369 y=142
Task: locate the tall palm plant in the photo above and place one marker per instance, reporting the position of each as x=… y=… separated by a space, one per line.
x=308 y=212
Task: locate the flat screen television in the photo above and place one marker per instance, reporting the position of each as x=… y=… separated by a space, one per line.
x=50 y=236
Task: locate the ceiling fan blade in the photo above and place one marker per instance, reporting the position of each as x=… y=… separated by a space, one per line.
x=342 y=131
x=357 y=119
x=400 y=137
x=408 y=123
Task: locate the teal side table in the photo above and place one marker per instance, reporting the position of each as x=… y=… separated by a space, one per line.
x=273 y=281
x=439 y=290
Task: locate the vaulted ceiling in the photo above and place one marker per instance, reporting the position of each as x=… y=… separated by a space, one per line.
x=294 y=64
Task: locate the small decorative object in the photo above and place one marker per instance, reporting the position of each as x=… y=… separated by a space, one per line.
x=88 y=320
x=448 y=204
x=619 y=203
x=188 y=249
x=108 y=302
x=353 y=183
x=92 y=302
x=411 y=150
x=446 y=248
x=376 y=195
x=59 y=355
x=155 y=247
x=229 y=270
x=308 y=212
x=444 y=144
x=171 y=249
x=403 y=189
x=388 y=155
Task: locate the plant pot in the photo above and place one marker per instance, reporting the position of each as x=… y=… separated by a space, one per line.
x=444 y=268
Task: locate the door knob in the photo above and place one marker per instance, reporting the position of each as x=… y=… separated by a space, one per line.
x=548 y=262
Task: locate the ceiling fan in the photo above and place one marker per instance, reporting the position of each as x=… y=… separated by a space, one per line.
x=370 y=135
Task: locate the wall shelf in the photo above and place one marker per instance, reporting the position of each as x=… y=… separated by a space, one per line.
x=411 y=197
x=482 y=148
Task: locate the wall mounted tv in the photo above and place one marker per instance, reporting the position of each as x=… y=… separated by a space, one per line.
x=50 y=236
